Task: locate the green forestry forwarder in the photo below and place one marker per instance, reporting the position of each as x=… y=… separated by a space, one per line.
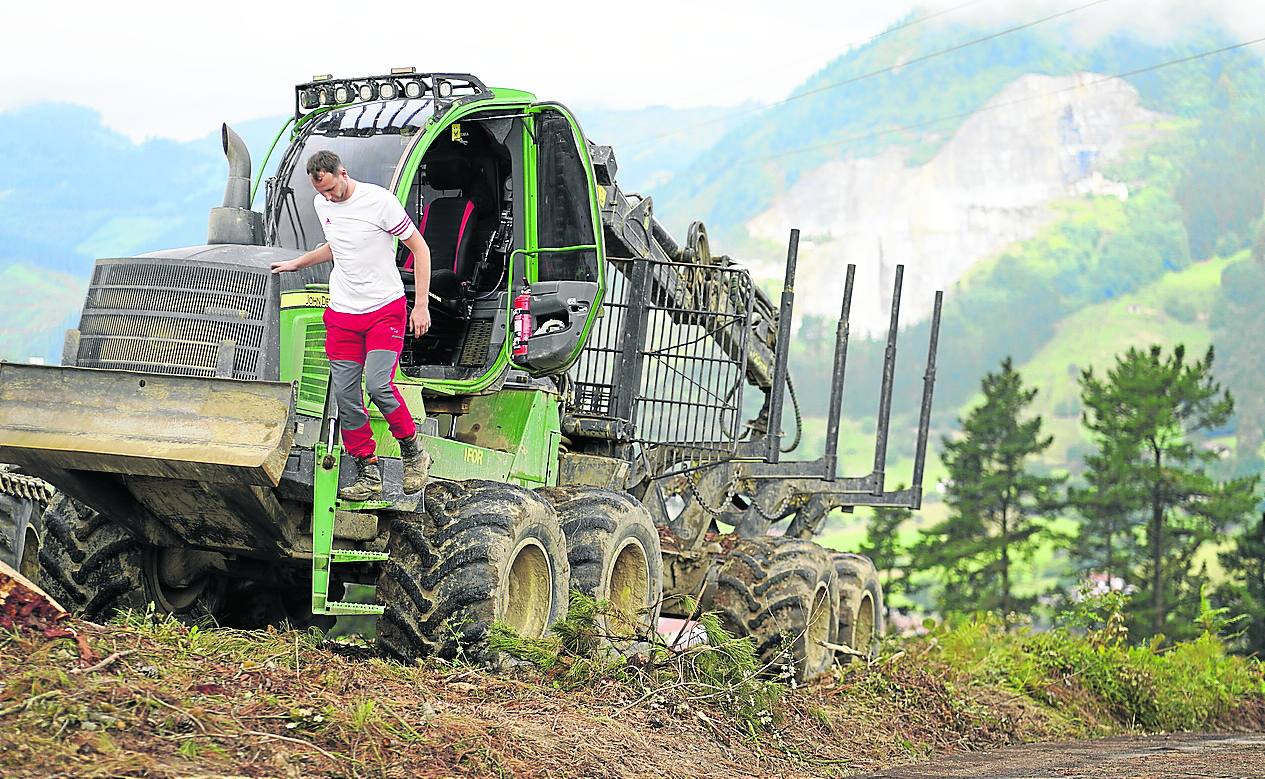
x=580 y=389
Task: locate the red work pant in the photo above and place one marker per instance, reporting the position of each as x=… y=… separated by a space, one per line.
x=367 y=346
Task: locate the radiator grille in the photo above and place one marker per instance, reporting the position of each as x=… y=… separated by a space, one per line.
x=146 y=325
x=171 y=317
x=180 y=276
x=176 y=301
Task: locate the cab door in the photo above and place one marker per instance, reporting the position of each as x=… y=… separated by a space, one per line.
x=565 y=263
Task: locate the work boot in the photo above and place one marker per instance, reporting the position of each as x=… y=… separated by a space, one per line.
x=368 y=483
x=416 y=464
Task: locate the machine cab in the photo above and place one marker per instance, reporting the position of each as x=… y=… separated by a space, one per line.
x=501 y=188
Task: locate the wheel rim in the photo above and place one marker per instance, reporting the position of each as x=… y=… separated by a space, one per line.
x=817 y=631
x=863 y=635
x=29 y=565
x=170 y=598
x=529 y=596
x=629 y=583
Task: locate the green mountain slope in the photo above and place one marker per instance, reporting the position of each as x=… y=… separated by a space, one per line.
x=745 y=169
x=1172 y=310
x=40 y=305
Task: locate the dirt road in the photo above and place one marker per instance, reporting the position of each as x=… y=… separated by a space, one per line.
x=1225 y=756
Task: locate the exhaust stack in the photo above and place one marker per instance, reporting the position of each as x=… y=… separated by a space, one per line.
x=234 y=222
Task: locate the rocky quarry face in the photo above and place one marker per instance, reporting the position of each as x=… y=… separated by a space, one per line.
x=1040 y=140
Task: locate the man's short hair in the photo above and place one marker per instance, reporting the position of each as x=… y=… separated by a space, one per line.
x=324 y=161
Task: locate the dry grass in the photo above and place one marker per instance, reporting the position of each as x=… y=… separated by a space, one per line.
x=156 y=698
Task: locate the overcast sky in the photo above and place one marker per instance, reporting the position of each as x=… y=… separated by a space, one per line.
x=175 y=69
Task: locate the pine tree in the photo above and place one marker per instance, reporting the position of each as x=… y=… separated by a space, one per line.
x=995 y=501
x=1245 y=592
x=1147 y=415
x=1105 y=541
x=1238 y=324
x=884 y=546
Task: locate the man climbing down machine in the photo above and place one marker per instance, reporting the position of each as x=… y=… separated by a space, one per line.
x=367 y=314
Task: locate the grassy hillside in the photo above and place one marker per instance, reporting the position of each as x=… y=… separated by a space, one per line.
x=646 y=161
x=1172 y=310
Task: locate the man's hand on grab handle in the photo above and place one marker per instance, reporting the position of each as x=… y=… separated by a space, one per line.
x=419 y=322
x=318 y=255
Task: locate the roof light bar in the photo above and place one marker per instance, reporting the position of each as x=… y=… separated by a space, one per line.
x=445 y=89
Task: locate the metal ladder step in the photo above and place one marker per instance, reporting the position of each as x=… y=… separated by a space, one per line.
x=342 y=607
x=361 y=505
x=356 y=556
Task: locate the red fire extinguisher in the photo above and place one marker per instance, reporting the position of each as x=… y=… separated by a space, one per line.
x=522 y=321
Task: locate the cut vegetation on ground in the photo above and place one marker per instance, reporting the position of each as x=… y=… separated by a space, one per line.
x=154 y=697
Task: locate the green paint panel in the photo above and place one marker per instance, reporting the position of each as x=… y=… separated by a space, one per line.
x=521 y=423
x=324 y=497
x=302 y=356
x=457 y=461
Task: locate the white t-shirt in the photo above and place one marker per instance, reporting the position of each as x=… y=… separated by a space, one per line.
x=360 y=232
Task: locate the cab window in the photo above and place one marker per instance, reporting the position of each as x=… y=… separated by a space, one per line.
x=565 y=217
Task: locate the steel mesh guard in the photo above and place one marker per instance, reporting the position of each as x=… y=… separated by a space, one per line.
x=668 y=356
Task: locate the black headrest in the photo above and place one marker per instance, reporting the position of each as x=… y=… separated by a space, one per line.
x=447 y=173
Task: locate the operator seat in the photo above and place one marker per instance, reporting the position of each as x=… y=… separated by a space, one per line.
x=449 y=225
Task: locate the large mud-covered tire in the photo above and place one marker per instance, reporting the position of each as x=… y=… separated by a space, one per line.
x=613 y=549
x=21 y=529
x=483 y=552
x=23 y=500
x=783 y=593
x=860 y=603
x=90 y=565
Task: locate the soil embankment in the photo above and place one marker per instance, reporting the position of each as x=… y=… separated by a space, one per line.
x=155 y=698
x=1209 y=756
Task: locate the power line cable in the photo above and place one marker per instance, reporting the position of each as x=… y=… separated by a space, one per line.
x=940 y=53
x=881 y=71
x=1006 y=104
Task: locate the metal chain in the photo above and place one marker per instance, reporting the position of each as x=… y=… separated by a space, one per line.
x=691 y=484
x=777 y=513
x=732 y=490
